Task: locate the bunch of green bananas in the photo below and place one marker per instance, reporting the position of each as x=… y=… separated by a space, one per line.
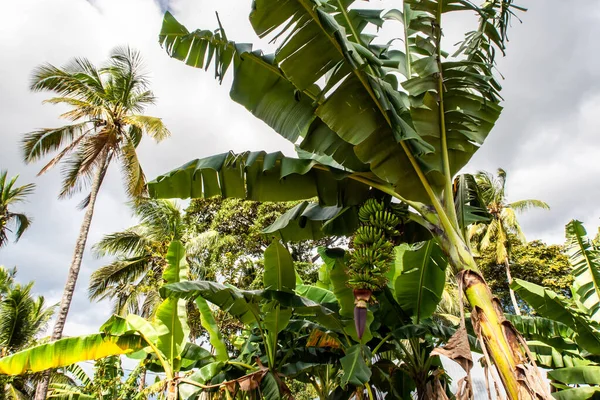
x=373 y=245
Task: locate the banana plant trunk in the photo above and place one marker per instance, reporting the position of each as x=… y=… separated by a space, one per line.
x=65 y=303
x=502 y=342
x=513 y=298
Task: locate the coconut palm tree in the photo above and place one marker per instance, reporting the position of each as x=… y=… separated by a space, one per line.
x=132 y=280
x=22 y=317
x=10 y=195
x=106 y=106
x=503 y=221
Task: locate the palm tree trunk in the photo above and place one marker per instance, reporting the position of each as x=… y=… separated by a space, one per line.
x=65 y=303
x=513 y=298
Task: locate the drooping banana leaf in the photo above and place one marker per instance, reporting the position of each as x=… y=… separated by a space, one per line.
x=420 y=284
x=580 y=393
x=240 y=304
x=586 y=375
x=310 y=221
x=553 y=306
x=585 y=260
x=547 y=356
x=261 y=176
x=554 y=333
x=317 y=294
x=68 y=351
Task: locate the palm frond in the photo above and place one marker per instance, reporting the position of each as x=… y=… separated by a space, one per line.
x=81 y=108
x=163 y=218
x=490 y=235
x=78 y=171
x=78 y=79
x=38 y=143
x=133 y=175
x=524 y=205
x=21 y=221
x=131 y=242
x=508 y=219
x=117 y=273
x=151 y=126
x=22 y=317
x=125 y=76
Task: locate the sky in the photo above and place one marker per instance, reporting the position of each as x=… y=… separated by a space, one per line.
x=546 y=139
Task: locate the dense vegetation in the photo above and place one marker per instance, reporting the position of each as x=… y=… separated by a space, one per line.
x=347 y=272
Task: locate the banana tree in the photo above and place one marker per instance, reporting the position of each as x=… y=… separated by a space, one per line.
x=365 y=117
x=566 y=333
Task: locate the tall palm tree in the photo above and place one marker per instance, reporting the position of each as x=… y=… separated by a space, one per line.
x=503 y=221
x=9 y=195
x=23 y=317
x=106 y=106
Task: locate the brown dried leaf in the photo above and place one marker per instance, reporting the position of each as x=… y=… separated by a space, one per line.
x=457 y=349
x=434 y=389
x=529 y=374
x=319 y=338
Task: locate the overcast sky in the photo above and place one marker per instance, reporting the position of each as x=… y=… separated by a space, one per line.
x=547 y=137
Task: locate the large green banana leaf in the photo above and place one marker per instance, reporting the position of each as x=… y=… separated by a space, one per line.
x=585 y=260
x=68 y=351
x=355 y=368
x=262 y=176
x=422 y=276
x=279 y=268
x=554 y=333
x=588 y=376
x=280 y=276
x=412 y=136
x=170 y=320
x=547 y=356
x=208 y=322
x=310 y=221
x=551 y=305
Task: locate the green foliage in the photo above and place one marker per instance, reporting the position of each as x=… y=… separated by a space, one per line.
x=23 y=317
x=236 y=251
x=420 y=278
x=536 y=262
x=585 y=259
x=10 y=195
x=569 y=334
x=131 y=281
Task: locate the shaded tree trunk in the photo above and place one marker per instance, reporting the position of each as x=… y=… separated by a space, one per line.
x=65 y=303
x=142 y=384
x=513 y=298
